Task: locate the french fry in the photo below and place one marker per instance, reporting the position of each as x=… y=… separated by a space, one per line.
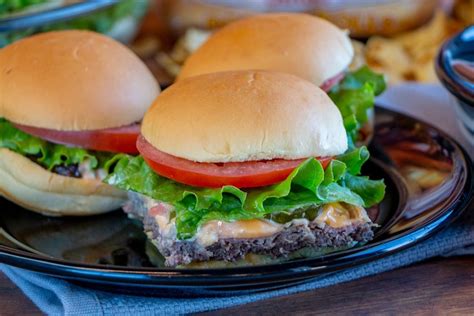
x=410 y=56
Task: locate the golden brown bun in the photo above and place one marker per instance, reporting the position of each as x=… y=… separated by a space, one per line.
x=300 y=44
x=73 y=80
x=34 y=188
x=244 y=116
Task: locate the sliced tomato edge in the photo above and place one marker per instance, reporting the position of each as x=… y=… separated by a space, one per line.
x=98 y=138
x=202 y=179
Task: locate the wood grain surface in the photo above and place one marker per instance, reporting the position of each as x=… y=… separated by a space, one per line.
x=439 y=286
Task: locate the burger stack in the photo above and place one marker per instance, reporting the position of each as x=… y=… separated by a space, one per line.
x=251 y=157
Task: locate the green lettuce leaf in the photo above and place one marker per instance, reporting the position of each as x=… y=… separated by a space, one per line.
x=101 y=21
x=354 y=96
x=13 y=6
x=308 y=185
x=356 y=79
x=47 y=154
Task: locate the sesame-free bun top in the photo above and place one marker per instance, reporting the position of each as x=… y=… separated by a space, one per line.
x=300 y=44
x=73 y=81
x=244 y=116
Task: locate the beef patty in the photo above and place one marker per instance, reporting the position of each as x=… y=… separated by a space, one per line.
x=295 y=235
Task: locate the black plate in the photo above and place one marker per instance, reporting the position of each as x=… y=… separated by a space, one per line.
x=429 y=183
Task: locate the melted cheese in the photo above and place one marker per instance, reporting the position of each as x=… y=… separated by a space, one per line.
x=335 y=215
x=212 y=231
x=339 y=215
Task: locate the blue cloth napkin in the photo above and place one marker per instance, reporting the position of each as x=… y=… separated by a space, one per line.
x=58 y=297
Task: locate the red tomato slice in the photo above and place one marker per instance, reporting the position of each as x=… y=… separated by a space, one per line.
x=118 y=140
x=331 y=82
x=249 y=174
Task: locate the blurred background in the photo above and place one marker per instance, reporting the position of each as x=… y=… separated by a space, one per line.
x=397 y=37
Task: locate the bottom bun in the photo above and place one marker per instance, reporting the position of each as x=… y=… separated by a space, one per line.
x=37 y=189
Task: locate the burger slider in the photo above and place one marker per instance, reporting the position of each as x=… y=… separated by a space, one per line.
x=240 y=164
x=69 y=101
x=300 y=44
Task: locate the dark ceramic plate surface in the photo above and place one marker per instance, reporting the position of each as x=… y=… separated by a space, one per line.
x=429 y=183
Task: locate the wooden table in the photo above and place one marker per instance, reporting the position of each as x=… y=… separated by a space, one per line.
x=433 y=287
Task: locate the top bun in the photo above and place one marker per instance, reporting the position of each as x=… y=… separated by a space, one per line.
x=73 y=81
x=300 y=44
x=244 y=116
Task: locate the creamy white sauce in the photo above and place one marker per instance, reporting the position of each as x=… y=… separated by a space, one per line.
x=338 y=215
x=212 y=231
x=88 y=173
